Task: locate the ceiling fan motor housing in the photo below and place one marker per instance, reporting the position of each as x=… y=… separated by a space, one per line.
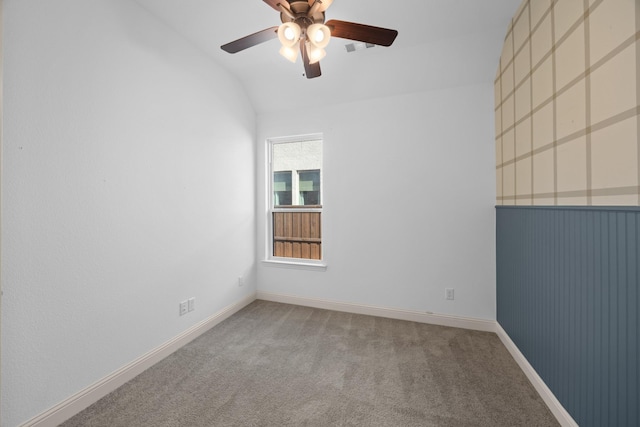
x=300 y=11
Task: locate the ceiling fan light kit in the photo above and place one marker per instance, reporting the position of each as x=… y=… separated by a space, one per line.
x=315 y=53
x=291 y=52
x=319 y=35
x=289 y=34
x=303 y=29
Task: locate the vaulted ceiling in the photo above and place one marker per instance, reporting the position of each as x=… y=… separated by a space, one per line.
x=441 y=43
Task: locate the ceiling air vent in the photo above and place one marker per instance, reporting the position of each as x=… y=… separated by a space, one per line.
x=352 y=47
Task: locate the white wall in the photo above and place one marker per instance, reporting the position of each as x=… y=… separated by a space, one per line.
x=120 y=140
x=408 y=202
x=1 y=124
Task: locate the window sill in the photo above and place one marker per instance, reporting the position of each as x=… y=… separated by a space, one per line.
x=295 y=264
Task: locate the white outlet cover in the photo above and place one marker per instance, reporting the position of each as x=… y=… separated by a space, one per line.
x=183 y=308
x=192 y=304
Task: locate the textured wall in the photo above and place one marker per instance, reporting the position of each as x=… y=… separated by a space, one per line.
x=120 y=140
x=567 y=96
x=568 y=296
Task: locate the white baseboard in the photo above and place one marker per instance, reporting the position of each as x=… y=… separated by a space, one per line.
x=391 y=313
x=538 y=383
x=84 y=398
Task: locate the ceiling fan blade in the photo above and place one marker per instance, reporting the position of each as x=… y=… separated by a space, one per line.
x=311 y=70
x=251 y=40
x=274 y=4
x=362 y=33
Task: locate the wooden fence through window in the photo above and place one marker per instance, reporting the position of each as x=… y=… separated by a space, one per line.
x=297 y=234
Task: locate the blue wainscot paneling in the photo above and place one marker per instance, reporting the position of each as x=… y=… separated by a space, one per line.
x=567 y=295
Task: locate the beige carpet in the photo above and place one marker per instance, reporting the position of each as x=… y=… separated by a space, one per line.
x=282 y=365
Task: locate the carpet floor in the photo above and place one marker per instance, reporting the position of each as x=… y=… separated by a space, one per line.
x=275 y=364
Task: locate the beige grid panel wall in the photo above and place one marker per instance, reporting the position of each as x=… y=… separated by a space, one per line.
x=567 y=109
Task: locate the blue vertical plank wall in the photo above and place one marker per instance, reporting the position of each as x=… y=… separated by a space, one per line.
x=567 y=296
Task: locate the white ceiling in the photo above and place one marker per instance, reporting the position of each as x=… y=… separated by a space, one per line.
x=441 y=43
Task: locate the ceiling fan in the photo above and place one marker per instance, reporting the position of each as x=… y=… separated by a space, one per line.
x=303 y=28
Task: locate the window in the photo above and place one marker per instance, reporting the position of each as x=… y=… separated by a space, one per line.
x=295 y=217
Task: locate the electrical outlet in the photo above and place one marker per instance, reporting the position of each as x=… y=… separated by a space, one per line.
x=448 y=293
x=184 y=307
x=191 y=304
x=240 y=281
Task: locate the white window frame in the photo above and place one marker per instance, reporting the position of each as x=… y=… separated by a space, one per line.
x=286 y=262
